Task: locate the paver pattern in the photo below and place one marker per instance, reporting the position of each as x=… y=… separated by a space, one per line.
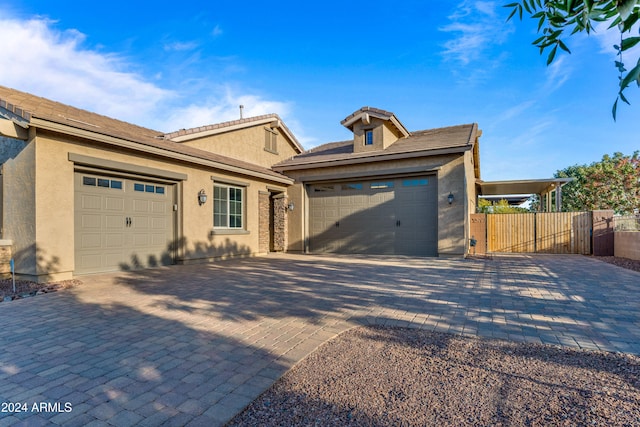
x=193 y=345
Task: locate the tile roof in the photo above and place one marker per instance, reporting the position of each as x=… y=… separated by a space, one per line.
x=28 y=106
x=179 y=135
x=420 y=142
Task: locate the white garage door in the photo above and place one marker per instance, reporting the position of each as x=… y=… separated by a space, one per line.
x=122 y=223
x=388 y=216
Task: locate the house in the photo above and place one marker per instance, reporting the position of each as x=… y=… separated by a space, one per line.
x=83 y=193
x=387 y=190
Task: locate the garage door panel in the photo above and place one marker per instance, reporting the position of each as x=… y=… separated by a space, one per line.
x=114 y=240
x=91 y=221
x=91 y=241
x=113 y=222
x=90 y=202
x=114 y=204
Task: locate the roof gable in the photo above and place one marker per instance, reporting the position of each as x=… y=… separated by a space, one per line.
x=365 y=114
x=202 y=131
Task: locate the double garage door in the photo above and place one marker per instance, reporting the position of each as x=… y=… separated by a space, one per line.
x=122 y=223
x=386 y=216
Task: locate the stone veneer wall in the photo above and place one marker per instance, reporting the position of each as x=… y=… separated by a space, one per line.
x=263 y=222
x=280 y=224
x=5 y=258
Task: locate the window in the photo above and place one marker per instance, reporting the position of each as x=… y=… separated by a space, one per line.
x=228 y=209
x=386 y=184
x=148 y=188
x=418 y=182
x=270 y=140
x=368 y=137
x=323 y=188
x=352 y=186
x=102 y=182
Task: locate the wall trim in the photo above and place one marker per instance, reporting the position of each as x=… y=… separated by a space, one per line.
x=419 y=170
x=82 y=160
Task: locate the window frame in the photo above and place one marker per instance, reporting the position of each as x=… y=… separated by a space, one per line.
x=229 y=211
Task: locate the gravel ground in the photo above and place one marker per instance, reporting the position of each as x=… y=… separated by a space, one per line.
x=25 y=288
x=374 y=376
x=627 y=263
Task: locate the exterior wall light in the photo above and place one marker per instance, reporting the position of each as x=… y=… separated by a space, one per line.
x=202 y=197
x=291 y=206
x=450 y=197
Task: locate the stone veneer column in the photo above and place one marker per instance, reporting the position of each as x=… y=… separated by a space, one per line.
x=280 y=224
x=263 y=222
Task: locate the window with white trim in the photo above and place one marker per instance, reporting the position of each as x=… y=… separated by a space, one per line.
x=228 y=207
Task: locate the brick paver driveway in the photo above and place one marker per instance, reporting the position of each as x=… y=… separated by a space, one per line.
x=192 y=345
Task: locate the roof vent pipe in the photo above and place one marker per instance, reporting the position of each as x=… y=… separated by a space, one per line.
x=241 y=110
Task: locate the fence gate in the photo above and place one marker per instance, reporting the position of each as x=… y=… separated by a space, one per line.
x=553 y=232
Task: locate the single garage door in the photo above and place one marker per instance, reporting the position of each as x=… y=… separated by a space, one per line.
x=387 y=216
x=122 y=223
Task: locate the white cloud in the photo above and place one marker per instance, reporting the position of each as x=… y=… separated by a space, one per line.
x=217 y=31
x=54 y=64
x=180 y=46
x=222 y=108
x=476 y=28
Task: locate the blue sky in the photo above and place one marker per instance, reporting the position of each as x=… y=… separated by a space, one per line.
x=170 y=65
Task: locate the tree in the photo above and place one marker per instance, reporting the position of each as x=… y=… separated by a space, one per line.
x=556 y=16
x=499 y=207
x=612 y=183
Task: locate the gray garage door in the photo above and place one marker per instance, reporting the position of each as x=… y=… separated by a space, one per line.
x=387 y=216
x=122 y=223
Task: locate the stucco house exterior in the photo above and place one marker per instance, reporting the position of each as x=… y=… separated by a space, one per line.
x=387 y=190
x=82 y=193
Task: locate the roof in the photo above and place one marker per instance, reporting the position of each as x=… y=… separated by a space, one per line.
x=420 y=143
x=29 y=110
x=365 y=114
x=198 y=132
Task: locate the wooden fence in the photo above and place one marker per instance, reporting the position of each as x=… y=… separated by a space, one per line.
x=553 y=232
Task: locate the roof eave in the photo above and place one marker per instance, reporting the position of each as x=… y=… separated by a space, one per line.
x=369 y=159
x=143 y=147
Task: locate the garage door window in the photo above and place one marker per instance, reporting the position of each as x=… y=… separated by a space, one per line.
x=379 y=185
x=91 y=181
x=415 y=182
x=228 y=209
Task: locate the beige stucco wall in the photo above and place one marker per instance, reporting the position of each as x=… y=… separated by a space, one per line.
x=627 y=244
x=18 y=201
x=453 y=219
x=247 y=145
x=39 y=206
x=296 y=218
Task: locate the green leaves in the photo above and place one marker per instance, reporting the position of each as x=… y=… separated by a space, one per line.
x=554 y=17
x=625 y=8
x=611 y=183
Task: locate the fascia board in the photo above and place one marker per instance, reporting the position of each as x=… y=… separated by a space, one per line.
x=148 y=149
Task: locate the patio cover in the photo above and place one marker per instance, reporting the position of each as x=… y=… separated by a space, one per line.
x=542 y=187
